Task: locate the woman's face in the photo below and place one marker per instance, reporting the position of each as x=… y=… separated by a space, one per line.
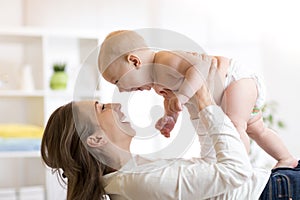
x=111 y=121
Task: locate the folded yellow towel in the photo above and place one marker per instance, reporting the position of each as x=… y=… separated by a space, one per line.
x=20 y=131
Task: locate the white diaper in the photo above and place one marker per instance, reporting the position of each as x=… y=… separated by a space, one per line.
x=238 y=71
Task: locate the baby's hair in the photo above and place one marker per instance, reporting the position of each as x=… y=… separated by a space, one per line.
x=117 y=44
x=114 y=33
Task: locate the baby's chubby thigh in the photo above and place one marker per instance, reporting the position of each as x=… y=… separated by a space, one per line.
x=255 y=126
x=238 y=101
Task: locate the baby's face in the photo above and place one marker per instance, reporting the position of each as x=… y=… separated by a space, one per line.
x=127 y=77
x=163 y=91
x=114 y=72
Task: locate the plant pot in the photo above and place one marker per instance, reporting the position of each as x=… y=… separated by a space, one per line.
x=59 y=81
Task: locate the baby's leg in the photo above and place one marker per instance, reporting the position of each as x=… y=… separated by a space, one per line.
x=269 y=141
x=238 y=102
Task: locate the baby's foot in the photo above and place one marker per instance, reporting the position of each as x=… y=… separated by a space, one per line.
x=290 y=162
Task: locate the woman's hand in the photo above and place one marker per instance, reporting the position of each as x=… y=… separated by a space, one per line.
x=204 y=96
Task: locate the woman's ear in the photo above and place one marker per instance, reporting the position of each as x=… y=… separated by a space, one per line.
x=96 y=141
x=135 y=60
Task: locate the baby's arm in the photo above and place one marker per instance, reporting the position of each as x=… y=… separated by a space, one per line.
x=192 y=82
x=166 y=124
x=194 y=76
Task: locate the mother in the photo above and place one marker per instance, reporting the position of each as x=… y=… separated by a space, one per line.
x=90 y=143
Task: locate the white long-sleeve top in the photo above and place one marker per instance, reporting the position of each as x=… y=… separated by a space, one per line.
x=230 y=177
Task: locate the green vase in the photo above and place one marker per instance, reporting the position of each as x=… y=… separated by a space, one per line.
x=59 y=81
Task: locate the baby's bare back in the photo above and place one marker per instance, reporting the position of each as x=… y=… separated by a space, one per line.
x=174 y=65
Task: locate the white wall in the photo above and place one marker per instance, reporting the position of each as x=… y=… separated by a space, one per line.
x=262 y=33
x=11 y=13
x=281 y=58
x=91 y=14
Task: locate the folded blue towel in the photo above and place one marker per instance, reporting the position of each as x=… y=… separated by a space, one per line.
x=19 y=144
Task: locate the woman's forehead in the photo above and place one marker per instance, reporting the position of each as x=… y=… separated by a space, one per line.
x=83 y=106
x=85 y=111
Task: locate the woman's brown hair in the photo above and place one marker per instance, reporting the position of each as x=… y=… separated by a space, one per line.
x=62 y=149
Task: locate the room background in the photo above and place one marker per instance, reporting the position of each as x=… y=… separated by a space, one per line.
x=262 y=34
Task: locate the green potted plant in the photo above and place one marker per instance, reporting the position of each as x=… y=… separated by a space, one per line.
x=269 y=116
x=59 y=79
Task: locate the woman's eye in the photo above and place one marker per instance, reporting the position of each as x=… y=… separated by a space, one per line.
x=116 y=81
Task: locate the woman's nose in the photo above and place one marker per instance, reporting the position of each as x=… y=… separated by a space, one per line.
x=116 y=106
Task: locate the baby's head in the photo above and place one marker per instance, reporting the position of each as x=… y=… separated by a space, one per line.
x=118 y=56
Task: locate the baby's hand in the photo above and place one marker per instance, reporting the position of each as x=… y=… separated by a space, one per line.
x=165 y=125
x=175 y=105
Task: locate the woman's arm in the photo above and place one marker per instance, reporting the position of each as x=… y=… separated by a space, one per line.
x=195 y=178
x=232 y=167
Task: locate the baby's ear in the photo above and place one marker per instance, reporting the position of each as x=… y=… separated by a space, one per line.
x=135 y=60
x=96 y=141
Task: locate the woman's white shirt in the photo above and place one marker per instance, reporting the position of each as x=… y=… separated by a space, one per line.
x=231 y=176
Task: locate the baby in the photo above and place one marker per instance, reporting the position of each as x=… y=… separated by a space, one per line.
x=126 y=60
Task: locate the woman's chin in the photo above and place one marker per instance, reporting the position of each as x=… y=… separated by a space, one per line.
x=127 y=129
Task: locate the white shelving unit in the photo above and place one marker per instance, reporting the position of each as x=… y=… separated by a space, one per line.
x=39 y=49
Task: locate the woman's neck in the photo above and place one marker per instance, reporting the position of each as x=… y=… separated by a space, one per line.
x=118 y=156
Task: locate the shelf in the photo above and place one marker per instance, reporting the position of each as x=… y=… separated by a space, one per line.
x=39 y=48
x=36 y=93
x=20 y=154
x=39 y=32
x=20 y=93
x=58 y=93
